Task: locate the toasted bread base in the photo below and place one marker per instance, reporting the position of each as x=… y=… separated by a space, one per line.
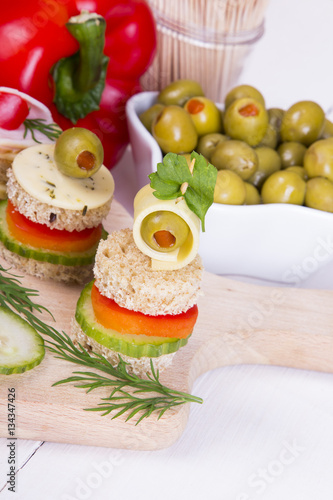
x=46 y=270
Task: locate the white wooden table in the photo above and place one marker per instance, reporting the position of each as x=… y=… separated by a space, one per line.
x=262 y=432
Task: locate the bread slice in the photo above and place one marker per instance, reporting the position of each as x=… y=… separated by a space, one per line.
x=4 y=166
x=123 y=273
x=138 y=366
x=54 y=217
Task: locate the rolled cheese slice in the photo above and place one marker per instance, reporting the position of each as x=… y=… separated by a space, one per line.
x=145 y=203
x=36 y=172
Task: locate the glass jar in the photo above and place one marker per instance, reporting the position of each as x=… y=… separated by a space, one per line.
x=204 y=40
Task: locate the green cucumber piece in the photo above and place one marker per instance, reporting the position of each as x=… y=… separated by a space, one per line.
x=21 y=347
x=30 y=252
x=135 y=346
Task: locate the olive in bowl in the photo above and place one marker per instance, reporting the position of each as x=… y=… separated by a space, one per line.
x=174 y=130
x=318 y=159
x=205 y=114
x=237 y=156
x=246 y=120
x=178 y=92
x=303 y=122
x=284 y=187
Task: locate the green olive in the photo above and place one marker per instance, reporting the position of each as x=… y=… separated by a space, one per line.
x=229 y=188
x=268 y=162
x=303 y=122
x=318 y=160
x=205 y=115
x=246 y=120
x=174 y=130
x=291 y=153
x=207 y=143
x=271 y=137
x=164 y=231
x=284 y=187
x=78 y=152
x=237 y=156
x=327 y=130
x=252 y=195
x=243 y=91
x=275 y=116
x=299 y=170
x=319 y=194
x=147 y=117
x=179 y=92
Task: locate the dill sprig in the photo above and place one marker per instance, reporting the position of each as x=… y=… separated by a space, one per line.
x=50 y=130
x=126 y=387
x=14 y=295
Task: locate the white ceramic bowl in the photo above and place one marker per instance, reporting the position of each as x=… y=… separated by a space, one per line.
x=277 y=242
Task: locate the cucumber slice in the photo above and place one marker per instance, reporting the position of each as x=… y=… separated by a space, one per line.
x=135 y=346
x=21 y=347
x=30 y=252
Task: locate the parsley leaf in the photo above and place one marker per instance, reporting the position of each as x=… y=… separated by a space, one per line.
x=174 y=172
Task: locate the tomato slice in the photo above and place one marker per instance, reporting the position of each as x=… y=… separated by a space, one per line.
x=13 y=111
x=110 y=315
x=41 y=236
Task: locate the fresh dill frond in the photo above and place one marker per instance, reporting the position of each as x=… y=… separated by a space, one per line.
x=50 y=130
x=130 y=394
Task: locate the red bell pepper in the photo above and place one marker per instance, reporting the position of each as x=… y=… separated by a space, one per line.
x=82 y=70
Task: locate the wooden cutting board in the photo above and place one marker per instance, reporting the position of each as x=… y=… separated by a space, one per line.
x=238 y=324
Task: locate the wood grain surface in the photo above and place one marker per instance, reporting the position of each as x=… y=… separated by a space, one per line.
x=238 y=323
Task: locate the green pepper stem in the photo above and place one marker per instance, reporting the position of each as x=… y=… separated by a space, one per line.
x=89 y=30
x=80 y=78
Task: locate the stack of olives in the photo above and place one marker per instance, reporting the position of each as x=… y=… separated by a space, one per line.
x=263 y=155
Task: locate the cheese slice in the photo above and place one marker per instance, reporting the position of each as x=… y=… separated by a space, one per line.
x=38 y=175
x=146 y=203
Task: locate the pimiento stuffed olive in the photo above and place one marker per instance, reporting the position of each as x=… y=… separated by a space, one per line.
x=243 y=91
x=246 y=120
x=78 y=152
x=205 y=114
x=164 y=231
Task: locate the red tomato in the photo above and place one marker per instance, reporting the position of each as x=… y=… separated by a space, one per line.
x=13 y=111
